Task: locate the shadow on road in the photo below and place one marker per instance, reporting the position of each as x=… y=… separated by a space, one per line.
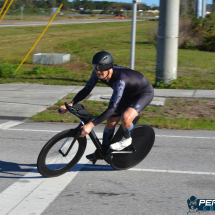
x=15 y=170
x=90 y=167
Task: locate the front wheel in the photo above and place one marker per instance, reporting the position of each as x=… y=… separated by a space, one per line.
x=53 y=159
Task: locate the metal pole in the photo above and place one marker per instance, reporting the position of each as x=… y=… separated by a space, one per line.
x=203 y=8
x=21 y=14
x=133 y=34
x=3 y=7
x=199 y=4
x=6 y=10
x=167 y=46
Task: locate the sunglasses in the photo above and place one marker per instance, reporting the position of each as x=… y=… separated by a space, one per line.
x=100 y=67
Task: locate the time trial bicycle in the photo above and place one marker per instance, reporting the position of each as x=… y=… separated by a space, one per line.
x=63 y=151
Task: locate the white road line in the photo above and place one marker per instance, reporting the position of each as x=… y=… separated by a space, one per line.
x=17 y=129
x=191 y=137
x=154 y=170
x=173 y=171
x=172 y=136
x=10 y=124
x=32 y=195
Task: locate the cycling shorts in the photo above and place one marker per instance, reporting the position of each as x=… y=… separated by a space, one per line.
x=139 y=103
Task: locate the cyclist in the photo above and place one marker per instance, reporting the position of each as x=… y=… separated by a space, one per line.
x=132 y=92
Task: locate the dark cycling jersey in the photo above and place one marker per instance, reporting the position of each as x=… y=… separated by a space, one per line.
x=125 y=83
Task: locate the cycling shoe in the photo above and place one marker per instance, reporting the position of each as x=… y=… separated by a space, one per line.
x=91 y=157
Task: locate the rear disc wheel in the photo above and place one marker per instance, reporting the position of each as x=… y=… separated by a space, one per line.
x=143 y=137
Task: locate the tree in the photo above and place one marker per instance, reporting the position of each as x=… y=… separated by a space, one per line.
x=187 y=8
x=19 y=3
x=105 y=5
x=45 y=5
x=53 y=3
x=144 y=7
x=29 y=4
x=154 y=7
x=213 y=6
x=76 y=4
x=66 y=4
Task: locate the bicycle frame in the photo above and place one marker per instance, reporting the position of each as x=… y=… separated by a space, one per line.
x=92 y=134
x=102 y=151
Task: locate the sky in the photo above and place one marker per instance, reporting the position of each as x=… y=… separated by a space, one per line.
x=157 y=2
x=149 y=2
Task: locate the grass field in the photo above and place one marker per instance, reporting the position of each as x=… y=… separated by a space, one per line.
x=196 y=69
x=181 y=113
x=82 y=41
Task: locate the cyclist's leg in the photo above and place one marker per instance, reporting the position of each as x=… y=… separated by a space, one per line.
x=127 y=124
x=128 y=117
x=112 y=121
x=109 y=129
x=127 y=121
x=107 y=134
x=135 y=107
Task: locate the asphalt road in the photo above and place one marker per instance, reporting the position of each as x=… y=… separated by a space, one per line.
x=180 y=165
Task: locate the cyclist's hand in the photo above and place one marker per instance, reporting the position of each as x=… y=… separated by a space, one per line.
x=86 y=129
x=62 y=109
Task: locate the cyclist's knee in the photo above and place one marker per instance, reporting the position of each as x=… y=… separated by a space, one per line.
x=125 y=121
x=128 y=117
x=111 y=123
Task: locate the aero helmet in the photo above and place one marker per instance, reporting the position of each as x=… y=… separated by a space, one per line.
x=102 y=61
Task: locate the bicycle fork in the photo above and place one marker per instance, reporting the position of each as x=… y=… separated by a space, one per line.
x=67 y=141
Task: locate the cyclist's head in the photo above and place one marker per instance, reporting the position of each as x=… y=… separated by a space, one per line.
x=102 y=61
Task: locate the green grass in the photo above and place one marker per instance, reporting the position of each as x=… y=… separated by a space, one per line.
x=188 y=124
x=47 y=17
x=176 y=114
x=82 y=41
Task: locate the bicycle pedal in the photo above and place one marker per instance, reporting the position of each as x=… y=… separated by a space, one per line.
x=133 y=149
x=94 y=161
x=97 y=156
x=108 y=153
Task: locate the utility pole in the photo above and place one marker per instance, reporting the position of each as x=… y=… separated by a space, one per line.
x=200 y=8
x=204 y=8
x=133 y=33
x=167 y=46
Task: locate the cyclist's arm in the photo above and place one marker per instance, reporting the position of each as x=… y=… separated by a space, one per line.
x=86 y=90
x=118 y=90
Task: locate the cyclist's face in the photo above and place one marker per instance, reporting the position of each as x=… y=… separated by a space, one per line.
x=101 y=74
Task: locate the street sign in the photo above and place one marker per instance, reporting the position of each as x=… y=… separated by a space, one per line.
x=22 y=8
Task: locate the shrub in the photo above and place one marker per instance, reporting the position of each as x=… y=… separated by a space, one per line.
x=7 y=70
x=172 y=85
x=209 y=41
x=193 y=33
x=188 y=44
x=153 y=35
